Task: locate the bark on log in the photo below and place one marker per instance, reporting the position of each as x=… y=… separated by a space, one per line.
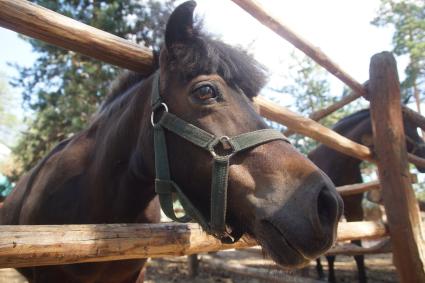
x=41 y=23
x=258 y=12
x=36 y=245
x=400 y=202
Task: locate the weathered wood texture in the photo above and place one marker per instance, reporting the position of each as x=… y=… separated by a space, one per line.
x=315 y=130
x=362 y=230
x=383 y=246
x=25 y=245
x=359 y=188
x=258 y=12
x=312 y=129
x=354 y=189
x=40 y=23
x=322 y=113
x=400 y=203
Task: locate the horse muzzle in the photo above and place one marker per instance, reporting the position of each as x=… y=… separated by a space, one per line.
x=304 y=226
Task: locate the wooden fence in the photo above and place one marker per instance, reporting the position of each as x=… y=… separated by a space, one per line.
x=44 y=245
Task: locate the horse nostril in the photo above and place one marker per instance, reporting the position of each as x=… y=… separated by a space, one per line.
x=327 y=209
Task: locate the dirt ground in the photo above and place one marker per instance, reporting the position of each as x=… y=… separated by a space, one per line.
x=379 y=269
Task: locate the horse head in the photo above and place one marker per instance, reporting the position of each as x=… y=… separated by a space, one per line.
x=204 y=108
x=414 y=143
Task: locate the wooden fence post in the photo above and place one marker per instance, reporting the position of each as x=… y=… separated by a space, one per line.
x=400 y=203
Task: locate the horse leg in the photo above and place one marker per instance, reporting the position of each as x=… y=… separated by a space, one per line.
x=354 y=212
x=360 y=264
x=331 y=269
x=193 y=265
x=319 y=269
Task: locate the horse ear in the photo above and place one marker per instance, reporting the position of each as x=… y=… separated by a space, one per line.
x=180 y=24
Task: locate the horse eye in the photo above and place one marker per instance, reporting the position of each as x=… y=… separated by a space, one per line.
x=205 y=93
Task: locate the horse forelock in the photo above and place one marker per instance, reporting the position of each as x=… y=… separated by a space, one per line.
x=203 y=55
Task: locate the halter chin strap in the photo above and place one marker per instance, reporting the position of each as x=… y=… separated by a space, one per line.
x=166 y=188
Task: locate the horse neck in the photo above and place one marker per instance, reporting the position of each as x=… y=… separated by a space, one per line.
x=123 y=143
x=341 y=168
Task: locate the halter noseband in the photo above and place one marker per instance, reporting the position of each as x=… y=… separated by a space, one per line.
x=165 y=187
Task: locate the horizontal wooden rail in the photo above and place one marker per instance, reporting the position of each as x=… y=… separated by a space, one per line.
x=354 y=189
x=359 y=188
x=361 y=230
x=41 y=23
x=381 y=247
x=322 y=113
x=315 y=130
x=36 y=245
x=258 y=12
x=312 y=129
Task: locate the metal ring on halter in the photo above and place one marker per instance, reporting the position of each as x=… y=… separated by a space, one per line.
x=223 y=140
x=155 y=109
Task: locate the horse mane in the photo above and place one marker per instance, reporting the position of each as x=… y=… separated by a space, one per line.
x=125 y=80
x=122 y=83
x=206 y=55
x=350 y=120
x=202 y=55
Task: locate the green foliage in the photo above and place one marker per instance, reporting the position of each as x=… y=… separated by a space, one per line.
x=408 y=19
x=310 y=88
x=63 y=89
x=9 y=118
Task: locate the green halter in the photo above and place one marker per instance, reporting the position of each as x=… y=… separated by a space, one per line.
x=165 y=187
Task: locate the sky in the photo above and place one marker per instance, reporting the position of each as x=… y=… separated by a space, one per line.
x=340 y=28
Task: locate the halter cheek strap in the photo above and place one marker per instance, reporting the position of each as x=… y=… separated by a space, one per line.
x=166 y=188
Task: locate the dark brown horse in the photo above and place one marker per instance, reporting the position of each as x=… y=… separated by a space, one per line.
x=106 y=173
x=345 y=170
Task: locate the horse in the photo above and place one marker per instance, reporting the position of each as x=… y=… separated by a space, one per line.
x=188 y=129
x=345 y=170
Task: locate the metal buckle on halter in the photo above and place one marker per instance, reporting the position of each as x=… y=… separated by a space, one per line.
x=227 y=237
x=155 y=109
x=227 y=147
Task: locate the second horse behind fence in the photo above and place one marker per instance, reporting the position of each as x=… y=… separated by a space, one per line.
x=345 y=170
